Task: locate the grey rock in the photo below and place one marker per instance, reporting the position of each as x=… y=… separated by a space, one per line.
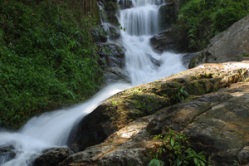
x=121 y=129
x=99 y=35
x=243 y=155
x=112 y=55
x=230 y=45
x=164 y=41
x=115 y=74
x=52 y=157
x=216 y=124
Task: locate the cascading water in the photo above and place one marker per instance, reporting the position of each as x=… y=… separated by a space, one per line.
x=139 y=24
x=52 y=129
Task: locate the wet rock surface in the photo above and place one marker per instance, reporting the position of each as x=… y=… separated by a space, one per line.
x=164 y=41
x=112 y=55
x=113 y=62
x=215 y=117
x=216 y=123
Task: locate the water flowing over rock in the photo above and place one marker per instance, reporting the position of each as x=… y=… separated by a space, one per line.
x=49 y=130
x=216 y=123
x=139 y=23
x=126 y=106
x=6 y=153
x=230 y=45
x=206 y=103
x=111 y=52
x=166 y=39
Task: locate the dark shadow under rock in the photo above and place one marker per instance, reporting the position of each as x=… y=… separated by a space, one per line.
x=52 y=157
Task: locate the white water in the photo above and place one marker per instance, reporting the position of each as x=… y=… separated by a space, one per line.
x=139 y=24
x=51 y=129
x=143 y=64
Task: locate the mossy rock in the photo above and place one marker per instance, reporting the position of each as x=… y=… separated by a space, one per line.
x=127 y=106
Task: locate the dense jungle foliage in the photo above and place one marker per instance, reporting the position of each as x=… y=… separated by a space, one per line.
x=200 y=20
x=47 y=57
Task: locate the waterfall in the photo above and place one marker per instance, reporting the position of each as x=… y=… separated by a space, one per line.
x=50 y=129
x=139 y=23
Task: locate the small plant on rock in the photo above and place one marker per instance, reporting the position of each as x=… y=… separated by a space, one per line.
x=182 y=94
x=175 y=150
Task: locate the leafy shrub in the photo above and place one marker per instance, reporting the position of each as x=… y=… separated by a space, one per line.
x=200 y=20
x=47 y=59
x=175 y=150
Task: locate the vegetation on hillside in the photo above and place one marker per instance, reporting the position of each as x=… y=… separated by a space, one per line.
x=200 y=20
x=47 y=57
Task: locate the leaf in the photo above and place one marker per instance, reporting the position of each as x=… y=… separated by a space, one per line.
x=196 y=161
x=172 y=141
x=156 y=162
x=202 y=163
x=178 y=162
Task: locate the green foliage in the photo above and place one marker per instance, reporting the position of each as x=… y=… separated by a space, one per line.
x=47 y=59
x=156 y=162
x=200 y=20
x=175 y=150
x=182 y=94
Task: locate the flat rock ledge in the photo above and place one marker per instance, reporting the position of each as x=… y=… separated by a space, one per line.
x=214 y=115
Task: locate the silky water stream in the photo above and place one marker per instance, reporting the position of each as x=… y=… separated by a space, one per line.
x=139 y=23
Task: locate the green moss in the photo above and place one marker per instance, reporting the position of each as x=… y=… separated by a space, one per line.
x=139 y=105
x=245 y=55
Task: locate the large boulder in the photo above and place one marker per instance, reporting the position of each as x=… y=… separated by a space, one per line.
x=52 y=157
x=164 y=41
x=125 y=107
x=230 y=45
x=216 y=123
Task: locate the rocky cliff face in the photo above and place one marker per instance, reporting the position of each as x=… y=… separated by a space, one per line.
x=111 y=53
x=230 y=45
